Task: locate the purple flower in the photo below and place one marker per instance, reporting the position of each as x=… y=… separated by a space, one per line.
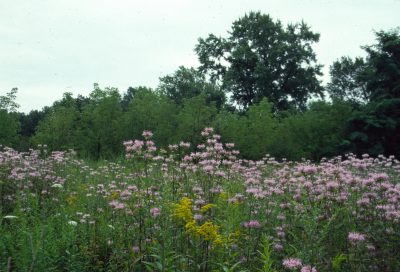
x=155 y=212
x=355 y=237
x=308 y=268
x=292 y=263
x=147 y=134
x=253 y=224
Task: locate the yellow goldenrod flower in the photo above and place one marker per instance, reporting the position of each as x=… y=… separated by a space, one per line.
x=191 y=226
x=207 y=207
x=183 y=210
x=209 y=232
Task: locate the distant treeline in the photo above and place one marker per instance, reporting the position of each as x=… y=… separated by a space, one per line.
x=259 y=88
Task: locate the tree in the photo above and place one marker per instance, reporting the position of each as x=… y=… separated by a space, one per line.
x=375 y=129
x=7 y=102
x=186 y=83
x=150 y=111
x=194 y=116
x=262 y=58
x=376 y=77
x=30 y=121
x=100 y=127
x=9 y=123
x=347 y=80
x=58 y=128
x=316 y=133
x=252 y=132
x=383 y=80
x=130 y=94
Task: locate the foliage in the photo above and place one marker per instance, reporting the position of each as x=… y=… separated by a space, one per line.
x=205 y=210
x=383 y=81
x=57 y=129
x=252 y=132
x=187 y=83
x=193 y=117
x=347 y=80
x=9 y=123
x=150 y=111
x=317 y=133
x=7 y=102
x=375 y=128
x=262 y=58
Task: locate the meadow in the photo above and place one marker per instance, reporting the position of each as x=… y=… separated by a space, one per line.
x=201 y=208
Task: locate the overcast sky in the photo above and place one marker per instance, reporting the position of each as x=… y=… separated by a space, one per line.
x=48 y=47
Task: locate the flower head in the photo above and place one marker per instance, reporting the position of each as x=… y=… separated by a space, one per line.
x=355 y=237
x=292 y=263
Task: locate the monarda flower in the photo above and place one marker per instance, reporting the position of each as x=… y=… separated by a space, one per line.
x=155 y=212
x=292 y=263
x=355 y=238
x=253 y=224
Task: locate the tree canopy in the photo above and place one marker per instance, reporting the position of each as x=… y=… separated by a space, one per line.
x=263 y=58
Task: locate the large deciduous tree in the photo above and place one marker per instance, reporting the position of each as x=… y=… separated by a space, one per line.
x=374 y=78
x=375 y=127
x=348 y=80
x=383 y=81
x=263 y=58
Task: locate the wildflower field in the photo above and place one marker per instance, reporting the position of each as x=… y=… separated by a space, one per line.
x=197 y=208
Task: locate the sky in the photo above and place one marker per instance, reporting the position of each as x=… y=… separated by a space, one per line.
x=48 y=47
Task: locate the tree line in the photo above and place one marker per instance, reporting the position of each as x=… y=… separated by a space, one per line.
x=259 y=87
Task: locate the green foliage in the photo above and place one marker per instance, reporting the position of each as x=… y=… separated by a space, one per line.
x=163 y=261
x=9 y=128
x=266 y=255
x=383 y=79
x=372 y=79
x=130 y=94
x=262 y=58
x=337 y=262
x=375 y=128
x=314 y=134
x=7 y=102
x=9 y=123
x=347 y=80
x=100 y=124
x=194 y=116
x=252 y=132
x=150 y=111
x=58 y=128
x=187 y=83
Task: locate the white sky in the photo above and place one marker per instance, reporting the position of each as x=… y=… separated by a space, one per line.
x=48 y=47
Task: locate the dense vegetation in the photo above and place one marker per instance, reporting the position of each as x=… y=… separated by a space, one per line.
x=77 y=194
x=176 y=210
x=254 y=87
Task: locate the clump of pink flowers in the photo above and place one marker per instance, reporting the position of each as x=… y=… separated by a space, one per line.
x=253 y=224
x=308 y=268
x=356 y=238
x=292 y=263
x=155 y=212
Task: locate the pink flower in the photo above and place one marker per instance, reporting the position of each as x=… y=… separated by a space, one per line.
x=308 y=268
x=253 y=224
x=147 y=134
x=278 y=247
x=355 y=237
x=155 y=212
x=292 y=263
x=135 y=249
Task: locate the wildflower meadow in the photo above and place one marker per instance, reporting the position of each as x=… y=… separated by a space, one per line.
x=197 y=208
